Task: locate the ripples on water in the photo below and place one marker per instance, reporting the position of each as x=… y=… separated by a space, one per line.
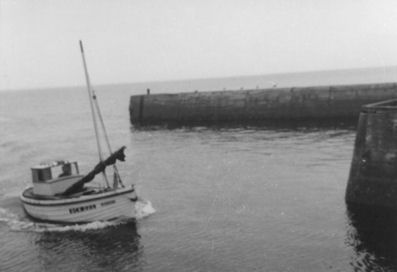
x=372 y=234
x=36 y=246
x=225 y=199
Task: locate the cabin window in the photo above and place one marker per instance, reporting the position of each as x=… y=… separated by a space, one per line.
x=44 y=174
x=66 y=170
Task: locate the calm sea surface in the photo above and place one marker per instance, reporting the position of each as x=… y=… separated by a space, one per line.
x=243 y=199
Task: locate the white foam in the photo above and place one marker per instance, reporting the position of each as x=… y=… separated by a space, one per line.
x=29 y=226
x=144 y=208
x=6 y=215
x=46 y=227
x=13 y=220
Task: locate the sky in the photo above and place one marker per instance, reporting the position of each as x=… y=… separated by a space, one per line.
x=130 y=41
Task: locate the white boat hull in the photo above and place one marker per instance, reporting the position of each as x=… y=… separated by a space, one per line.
x=103 y=206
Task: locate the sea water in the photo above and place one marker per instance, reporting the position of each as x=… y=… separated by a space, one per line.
x=213 y=199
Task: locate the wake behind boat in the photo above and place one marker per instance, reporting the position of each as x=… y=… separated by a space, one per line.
x=61 y=194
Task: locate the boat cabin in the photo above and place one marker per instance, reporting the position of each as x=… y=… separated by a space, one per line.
x=50 y=179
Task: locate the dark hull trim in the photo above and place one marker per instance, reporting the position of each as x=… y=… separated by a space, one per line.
x=74 y=202
x=66 y=223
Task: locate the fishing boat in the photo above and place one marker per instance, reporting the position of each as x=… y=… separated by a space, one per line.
x=61 y=194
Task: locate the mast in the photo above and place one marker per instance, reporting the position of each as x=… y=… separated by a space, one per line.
x=117 y=178
x=90 y=97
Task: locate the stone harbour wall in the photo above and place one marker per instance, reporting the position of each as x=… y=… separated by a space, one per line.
x=261 y=106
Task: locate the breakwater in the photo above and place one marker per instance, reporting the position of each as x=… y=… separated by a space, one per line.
x=373 y=172
x=257 y=106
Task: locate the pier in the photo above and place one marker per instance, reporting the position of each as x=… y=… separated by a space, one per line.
x=257 y=106
x=373 y=174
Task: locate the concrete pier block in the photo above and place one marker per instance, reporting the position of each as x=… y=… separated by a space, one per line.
x=257 y=106
x=373 y=173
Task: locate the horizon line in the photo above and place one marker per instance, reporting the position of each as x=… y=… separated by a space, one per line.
x=195 y=79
